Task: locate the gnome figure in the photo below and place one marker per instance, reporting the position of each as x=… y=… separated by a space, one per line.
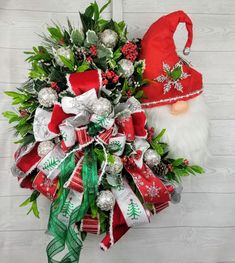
x=173 y=95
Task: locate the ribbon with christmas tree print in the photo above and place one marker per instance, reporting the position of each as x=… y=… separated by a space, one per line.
x=71 y=207
x=127 y=212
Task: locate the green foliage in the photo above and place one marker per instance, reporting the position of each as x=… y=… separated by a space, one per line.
x=91 y=17
x=104 y=52
x=157 y=145
x=77 y=37
x=181 y=169
x=33 y=201
x=176 y=73
x=101 y=155
x=37 y=54
x=56 y=33
x=91 y=38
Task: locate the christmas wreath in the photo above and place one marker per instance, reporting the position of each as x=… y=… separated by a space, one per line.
x=84 y=139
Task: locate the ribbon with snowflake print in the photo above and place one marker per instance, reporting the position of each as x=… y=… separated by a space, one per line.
x=150 y=187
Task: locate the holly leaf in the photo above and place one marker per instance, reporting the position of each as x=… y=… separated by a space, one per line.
x=77 y=37
x=104 y=52
x=91 y=37
x=176 y=73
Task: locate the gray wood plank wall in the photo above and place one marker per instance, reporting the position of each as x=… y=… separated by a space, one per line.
x=202 y=227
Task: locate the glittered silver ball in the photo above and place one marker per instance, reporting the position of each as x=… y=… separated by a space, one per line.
x=115 y=167
x=151 y=158
x=105 y=200
x=186 y=51
x=45 y=147
x=109 y=38
x=127 y=67
x=47 y=97
x=65 y=52
x=102 y=107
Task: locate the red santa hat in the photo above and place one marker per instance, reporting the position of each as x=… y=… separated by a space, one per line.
x=170 y=79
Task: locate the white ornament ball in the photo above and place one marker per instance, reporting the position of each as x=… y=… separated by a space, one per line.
x=151 y=158
x=102 y=107
x=127 y=67
x=65 y=52
x=45 y=147
x=115 y=167
x=109 y=38
x=105 y=200
x=47 y=97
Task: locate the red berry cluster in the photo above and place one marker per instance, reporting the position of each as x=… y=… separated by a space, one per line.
x=109 y=77
x=93 y=50
x=129 y=50
x=93 y=53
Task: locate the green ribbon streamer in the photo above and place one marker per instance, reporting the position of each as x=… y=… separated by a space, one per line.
x=69 y=235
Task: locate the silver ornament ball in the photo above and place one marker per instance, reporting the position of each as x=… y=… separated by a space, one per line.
x=47 y=97
x=109 y=38
x=115 y=167
x=45 y=147
x=102 y=107
x=151 y=158
x=64 y=52
x=127 y=67
x=105 y=200
x=187 y=51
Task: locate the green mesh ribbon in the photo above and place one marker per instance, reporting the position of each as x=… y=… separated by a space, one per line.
x=68 y=235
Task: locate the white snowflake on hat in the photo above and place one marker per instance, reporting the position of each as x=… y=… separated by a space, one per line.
x=171 y=77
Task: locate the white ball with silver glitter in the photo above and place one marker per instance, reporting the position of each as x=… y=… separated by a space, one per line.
x=62 y=51
x=109 y=38
x=102 y=107
x=151 y=158
x=45 y=147
x=127 y=67
x=115 y=167
x=105 y=200
x=47 y=97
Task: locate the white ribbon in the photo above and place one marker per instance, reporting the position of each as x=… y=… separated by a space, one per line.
x=79 y=103
x=142 y=145
x=49 y=165
x=40 y=125
x=132 y=209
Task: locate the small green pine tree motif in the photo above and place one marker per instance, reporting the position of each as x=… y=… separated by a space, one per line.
x=115 y=146
x=64 y=136
x=50 y=164
x=133 y=211
x=102 y=121
x=67 y=208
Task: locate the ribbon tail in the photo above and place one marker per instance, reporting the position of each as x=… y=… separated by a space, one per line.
x=117 y=229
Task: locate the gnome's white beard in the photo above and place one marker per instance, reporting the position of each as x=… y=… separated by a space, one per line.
x=186 y=133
